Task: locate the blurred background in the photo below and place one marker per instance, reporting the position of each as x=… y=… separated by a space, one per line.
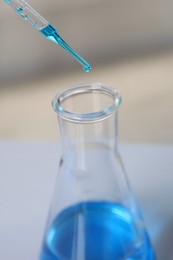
x=129 y=45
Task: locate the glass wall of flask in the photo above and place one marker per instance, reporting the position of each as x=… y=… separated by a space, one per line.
x=94 y=214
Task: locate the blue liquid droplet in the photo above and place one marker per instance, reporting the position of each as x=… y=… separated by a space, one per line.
x=87 y=68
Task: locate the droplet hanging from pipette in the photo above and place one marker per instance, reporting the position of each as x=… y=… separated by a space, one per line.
x=87 y=68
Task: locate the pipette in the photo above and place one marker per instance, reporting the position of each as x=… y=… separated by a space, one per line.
x=45 y=28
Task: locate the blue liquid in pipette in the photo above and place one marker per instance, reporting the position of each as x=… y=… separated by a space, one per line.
x=95 y=231
x=51 y=34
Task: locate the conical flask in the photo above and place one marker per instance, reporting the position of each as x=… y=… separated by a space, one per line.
x=94 y=214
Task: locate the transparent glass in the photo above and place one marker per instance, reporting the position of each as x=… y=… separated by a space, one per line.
x=93 y=213
x=46 y=29
x=28 y=13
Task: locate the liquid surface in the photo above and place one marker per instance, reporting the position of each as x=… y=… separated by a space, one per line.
x=50 y=33
x=95 y=231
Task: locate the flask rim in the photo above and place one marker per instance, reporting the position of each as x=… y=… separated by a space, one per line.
x=82 y=89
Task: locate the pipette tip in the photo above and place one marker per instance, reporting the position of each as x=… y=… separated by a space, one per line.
x=87 y=68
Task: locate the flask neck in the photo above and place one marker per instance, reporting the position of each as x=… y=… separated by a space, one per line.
x=88 y=117
x=78 y=136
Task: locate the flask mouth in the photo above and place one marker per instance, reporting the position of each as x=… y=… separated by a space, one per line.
x=87 y=102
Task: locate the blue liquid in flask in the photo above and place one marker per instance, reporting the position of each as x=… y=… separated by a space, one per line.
x=95 y=231
x=51 y=34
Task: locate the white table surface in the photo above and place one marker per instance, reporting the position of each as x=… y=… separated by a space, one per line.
x=27 y=176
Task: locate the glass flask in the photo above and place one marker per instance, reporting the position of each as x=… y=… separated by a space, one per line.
x=94 y=214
